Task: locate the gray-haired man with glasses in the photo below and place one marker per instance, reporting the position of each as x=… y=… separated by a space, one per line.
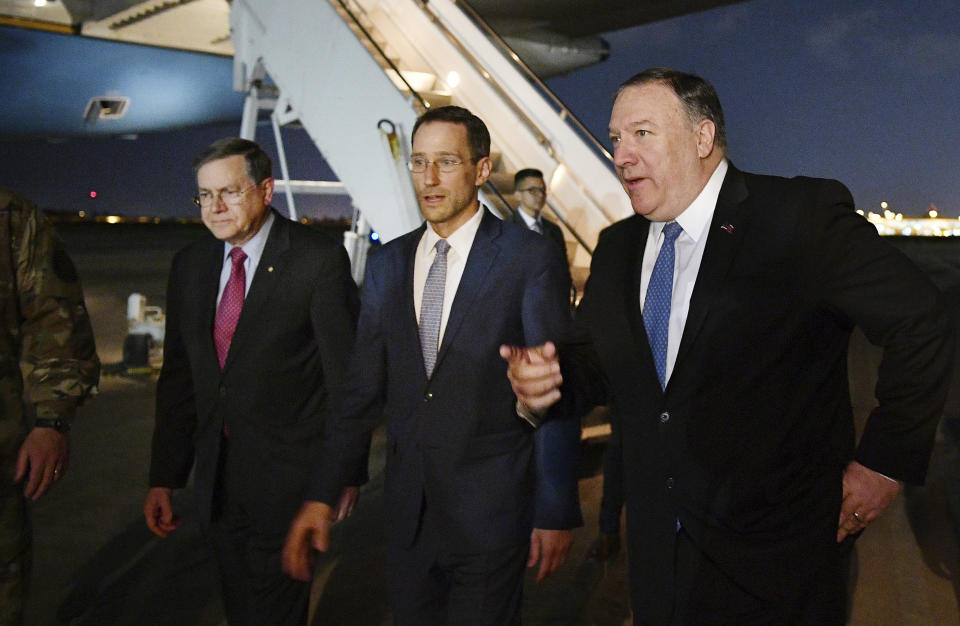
x=260 y=322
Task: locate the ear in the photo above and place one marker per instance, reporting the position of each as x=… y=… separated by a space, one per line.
x=267 y=187
x=706 y=131
x=483 y=171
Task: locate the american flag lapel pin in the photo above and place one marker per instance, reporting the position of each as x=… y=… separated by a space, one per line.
x=727 y=227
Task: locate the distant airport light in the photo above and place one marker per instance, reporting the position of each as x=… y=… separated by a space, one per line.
x=113 y=219
x=883 y=205
x=932 y=213
x=93 y=194
x=82 y=213
x=453 y=79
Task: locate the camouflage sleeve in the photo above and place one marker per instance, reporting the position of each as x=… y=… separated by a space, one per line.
x=58 y=356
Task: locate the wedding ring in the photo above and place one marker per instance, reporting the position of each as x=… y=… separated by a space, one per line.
x=857 y=517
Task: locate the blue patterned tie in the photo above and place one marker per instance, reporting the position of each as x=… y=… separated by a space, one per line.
x=431 y=307
x=656 y=306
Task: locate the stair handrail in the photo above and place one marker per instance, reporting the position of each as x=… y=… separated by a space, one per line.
x=343 y=5
x=565 y=113
x=542 y=139
x=532 y=126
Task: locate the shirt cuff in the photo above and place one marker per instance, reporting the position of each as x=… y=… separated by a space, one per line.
x=534 y=418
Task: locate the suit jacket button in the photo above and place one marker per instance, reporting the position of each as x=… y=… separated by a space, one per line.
x=427 y=397
x=664 y=417
x=223 y=391
x=670 y=483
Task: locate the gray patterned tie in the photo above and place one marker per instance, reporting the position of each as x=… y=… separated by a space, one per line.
x=431 y=307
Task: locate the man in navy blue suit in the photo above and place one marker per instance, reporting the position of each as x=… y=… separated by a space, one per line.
x=473 y=492
x=718 y=319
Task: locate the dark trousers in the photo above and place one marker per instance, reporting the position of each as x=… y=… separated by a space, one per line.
x=705 y=594
x=255 y=590
x=432 y=584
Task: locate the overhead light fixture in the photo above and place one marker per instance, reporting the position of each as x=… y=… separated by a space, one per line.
x=453 y=79
x=40 y=3
x=105 y=108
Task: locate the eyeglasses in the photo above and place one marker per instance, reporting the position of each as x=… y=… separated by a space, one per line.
x=447 y=165
x=231 y=197
x=536 y=190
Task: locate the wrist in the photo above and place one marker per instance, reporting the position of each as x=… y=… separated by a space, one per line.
x=58 y=424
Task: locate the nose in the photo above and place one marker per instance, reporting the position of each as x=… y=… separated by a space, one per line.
x=623 y=154
x=219 y=204
x=430 y=176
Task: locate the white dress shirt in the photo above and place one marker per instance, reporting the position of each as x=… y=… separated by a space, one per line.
x=530 y=221
x=695 y=222
x=253 y=249
x=460 y=243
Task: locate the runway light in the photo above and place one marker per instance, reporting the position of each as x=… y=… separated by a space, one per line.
x=113 y=219
x=932 y=213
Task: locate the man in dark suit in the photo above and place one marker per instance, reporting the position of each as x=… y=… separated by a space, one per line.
x=473 y=492
x=531 y=189
x=720 y=316
x=260 y=322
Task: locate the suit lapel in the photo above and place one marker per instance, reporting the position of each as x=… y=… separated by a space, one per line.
x=632 y=266
x=724 y=238
x=406 y=309
x=271 y=267
x=483 y=253
x=209 y=287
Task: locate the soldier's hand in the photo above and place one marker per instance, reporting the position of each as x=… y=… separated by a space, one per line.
x=42 y=459
x=158 y=511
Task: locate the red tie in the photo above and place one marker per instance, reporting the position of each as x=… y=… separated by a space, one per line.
x=231 y=303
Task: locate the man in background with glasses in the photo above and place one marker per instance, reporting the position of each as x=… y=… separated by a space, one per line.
x=473 y=492
x=260 y=322
x=531 y=191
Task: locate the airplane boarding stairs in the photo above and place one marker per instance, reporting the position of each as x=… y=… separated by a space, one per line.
x=356 y=73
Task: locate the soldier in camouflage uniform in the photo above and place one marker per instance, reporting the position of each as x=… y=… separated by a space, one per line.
x=47 y=350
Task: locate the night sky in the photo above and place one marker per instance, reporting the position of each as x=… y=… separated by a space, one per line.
x=862 y=91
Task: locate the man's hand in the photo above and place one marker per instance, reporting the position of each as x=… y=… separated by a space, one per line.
x=534 y=374
x=550 y=548
x=309 y=529
x=159 y=513
x=45 y=453
x=348 y=500
x=866 y=494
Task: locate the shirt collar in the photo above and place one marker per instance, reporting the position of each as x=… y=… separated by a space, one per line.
x=695 y=219
x=529 y=221
x=461 y=240
x=254 y=247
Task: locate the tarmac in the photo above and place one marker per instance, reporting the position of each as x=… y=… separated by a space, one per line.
x=95 y=562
